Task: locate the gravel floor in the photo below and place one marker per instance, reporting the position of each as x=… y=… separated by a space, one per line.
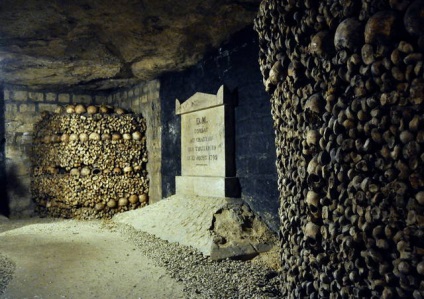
x=202 y=277
x=7 y=267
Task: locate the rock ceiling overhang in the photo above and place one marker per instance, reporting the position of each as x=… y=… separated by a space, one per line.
x=97 y=44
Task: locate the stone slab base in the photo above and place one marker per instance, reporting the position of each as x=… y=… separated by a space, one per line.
x=207 y=186
x=218 y=227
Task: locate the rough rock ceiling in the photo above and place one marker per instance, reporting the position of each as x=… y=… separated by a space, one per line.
x=102 y=44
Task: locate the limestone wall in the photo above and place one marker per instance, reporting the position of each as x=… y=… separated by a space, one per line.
x=4 y=203
x=21 y=110
x=145 y=99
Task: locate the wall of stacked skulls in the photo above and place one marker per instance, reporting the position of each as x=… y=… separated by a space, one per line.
x=347 y=86
x=89 y=162
x=22 y=108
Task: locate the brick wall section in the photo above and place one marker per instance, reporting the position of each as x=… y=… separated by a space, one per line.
x=21 y=112
x=4 y=202
x=21 y=109
x=235 y=65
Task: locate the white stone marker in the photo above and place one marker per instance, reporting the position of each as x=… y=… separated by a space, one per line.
x=207 y=146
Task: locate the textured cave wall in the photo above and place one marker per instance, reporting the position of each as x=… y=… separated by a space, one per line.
x=4 y=200
x=346 y=79
x=234 y=65
x=20 y=109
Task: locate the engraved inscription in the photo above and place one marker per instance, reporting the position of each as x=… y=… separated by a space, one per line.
x=207 y=146
x=202 y=147
x=203 y=142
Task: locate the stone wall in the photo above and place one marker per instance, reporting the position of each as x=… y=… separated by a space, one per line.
x=4 y=203
x=22 y=108
x=235 y=66
x=144 y=99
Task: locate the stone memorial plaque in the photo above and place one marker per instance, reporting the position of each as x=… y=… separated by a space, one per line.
x=207 y=145
x=203 y=142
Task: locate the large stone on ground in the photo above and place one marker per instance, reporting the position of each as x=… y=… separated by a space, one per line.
x=218 y=227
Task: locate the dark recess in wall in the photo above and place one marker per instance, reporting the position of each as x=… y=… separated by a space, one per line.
x=4 y=201
x=236 y=66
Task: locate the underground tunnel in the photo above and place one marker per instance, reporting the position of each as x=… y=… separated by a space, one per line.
x=224 y=149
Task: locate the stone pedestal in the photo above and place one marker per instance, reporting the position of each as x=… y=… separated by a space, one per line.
x=207 y=146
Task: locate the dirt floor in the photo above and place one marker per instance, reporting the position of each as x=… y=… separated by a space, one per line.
x=53 y=258
x=74 y=259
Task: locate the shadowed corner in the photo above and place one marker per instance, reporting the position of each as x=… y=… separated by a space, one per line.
x=4 y=200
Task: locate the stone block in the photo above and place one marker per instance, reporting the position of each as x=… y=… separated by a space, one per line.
x=82 y=99
x=144 y=98
x=12 y=108
x=152 y=96
x=112 y=101
x=135 y=104
x=100 y=99
x=26 y=126
x=51 y=97
x=27 y=108
x=7 y=94
x=20 y=95
x=207 y=131
x=11 y=126
x=137 y=91
x=9 y=117
x=64 y=98
x=36 y=96
x=153 y=86
x=207 y=145
x=157 y=84
x=47 y=107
